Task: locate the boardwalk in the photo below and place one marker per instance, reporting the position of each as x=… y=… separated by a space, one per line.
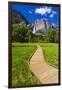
x=42 y=70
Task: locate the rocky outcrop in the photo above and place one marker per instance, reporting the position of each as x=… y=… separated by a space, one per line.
x=40 y=27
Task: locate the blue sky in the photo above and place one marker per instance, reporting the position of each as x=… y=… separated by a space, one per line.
x=32 y=12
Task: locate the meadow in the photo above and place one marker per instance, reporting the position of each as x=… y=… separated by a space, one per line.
x=21 y=54
x=21 y=74
x=51 y=53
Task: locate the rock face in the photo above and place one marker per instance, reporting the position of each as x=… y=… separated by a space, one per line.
x=17 y=17
x=40 y=27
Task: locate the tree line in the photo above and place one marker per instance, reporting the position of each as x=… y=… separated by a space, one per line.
x=23 y=34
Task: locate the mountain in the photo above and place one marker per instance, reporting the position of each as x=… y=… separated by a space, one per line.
x=40 y=27
x=17 y=17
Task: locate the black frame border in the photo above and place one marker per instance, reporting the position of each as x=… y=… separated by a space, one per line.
x=10 y=45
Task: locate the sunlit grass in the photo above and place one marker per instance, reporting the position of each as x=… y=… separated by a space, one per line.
x=51 y=53
x=21 y=74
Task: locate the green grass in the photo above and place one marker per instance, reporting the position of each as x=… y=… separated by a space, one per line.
x=21 y=52
x=21 y=74
x=24 y=44
x=51 y=54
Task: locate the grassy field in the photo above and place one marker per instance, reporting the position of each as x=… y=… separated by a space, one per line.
x=51 y=53
x=21 y=74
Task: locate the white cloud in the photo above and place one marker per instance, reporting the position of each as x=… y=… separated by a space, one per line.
x=30 y=12
x=43 y=10
x=51 y=15
x=53 y=12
